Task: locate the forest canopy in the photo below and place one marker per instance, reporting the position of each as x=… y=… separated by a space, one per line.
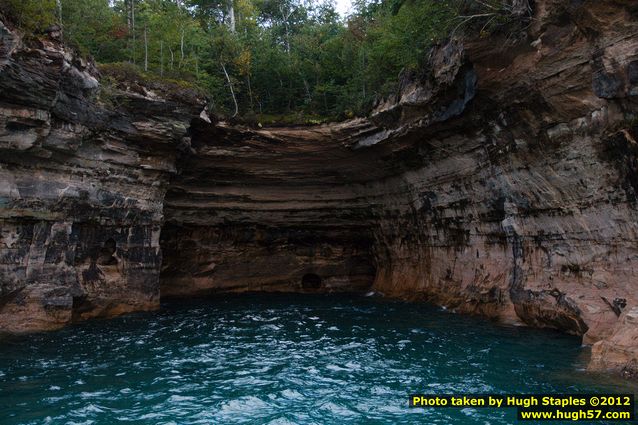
x=294 y=58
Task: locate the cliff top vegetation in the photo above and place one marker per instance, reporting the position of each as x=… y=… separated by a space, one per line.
x=266 y=60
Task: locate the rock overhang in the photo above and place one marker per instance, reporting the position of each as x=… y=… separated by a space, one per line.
x=499 y=184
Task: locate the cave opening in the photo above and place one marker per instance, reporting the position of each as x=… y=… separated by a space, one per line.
x=310 y=281
x=107 y=253
x=18 y=126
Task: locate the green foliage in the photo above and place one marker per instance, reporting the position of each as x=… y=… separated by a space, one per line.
x=128 y=72
x=299 y=118
x=121 y=71
x=401 y=35
x=275 y=61
x=32 y=15
x=94 y=28
x=107 y=94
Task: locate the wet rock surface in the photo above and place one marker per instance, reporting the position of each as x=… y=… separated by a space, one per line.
x=501 y=182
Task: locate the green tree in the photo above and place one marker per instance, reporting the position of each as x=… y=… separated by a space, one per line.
x=32 y=15
x=281 y=57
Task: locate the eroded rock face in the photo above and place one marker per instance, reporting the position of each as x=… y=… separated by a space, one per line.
x=82 y=188
x=503 y=182
x=259 y=210
x=524 y=205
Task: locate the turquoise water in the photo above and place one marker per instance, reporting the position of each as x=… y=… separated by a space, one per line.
x=279 y=359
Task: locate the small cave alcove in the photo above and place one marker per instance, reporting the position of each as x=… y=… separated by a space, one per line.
x=15 y=126
x=310 y=281
x=107 y=253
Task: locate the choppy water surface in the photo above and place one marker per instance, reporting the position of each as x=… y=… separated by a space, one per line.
x=279 y=359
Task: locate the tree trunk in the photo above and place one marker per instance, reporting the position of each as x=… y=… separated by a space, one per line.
x=363 y=76
x=289 y=94
x=285 y=17
x=181 y=49
x=145 y=50
x=231 y=16
x=306 y=87
x=250 y=90
x=172 y=57
x=58 y=3
x=232 y=92
x=133 y=27
x=127 y=10
x=161 y=58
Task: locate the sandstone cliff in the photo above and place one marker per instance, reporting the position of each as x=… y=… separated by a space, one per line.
x=82 y=187
x=501 y=182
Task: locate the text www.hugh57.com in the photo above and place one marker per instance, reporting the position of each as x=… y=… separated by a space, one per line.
x=575 y=415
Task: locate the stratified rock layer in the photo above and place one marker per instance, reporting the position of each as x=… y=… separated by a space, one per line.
x=502 y=182
x=524 y=206
x=259 y=210
x=82 y=188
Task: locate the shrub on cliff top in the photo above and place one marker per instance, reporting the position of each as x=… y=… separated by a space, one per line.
x=121 y=71
x=31 y=15
x=128 y=72
x=280 y=58
x=128 y=76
